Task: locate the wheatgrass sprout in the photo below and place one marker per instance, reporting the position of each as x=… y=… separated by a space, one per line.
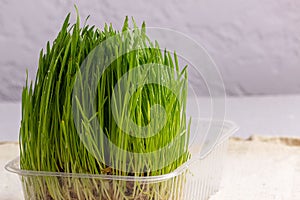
x=78 y=94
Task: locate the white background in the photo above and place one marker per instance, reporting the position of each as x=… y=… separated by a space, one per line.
x=255 y=43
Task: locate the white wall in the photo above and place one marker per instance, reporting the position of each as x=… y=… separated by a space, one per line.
x=255 y=43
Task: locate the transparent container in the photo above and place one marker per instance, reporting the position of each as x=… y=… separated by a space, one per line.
x=197 y=179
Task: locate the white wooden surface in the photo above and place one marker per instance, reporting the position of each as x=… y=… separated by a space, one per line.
x=257 y=169
x=263 y=169
x=248 y=173
x=10 y=185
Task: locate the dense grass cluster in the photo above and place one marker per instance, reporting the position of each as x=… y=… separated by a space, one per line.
x=50 y=139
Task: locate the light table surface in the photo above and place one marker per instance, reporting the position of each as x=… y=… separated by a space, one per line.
x=255 y=169
x=258 y=168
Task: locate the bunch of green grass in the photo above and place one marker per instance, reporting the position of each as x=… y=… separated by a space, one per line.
x=51 y=141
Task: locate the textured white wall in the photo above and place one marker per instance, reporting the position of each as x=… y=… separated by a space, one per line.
x=255 y=43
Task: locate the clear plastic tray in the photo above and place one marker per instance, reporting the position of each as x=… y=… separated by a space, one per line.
x=197 y=179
